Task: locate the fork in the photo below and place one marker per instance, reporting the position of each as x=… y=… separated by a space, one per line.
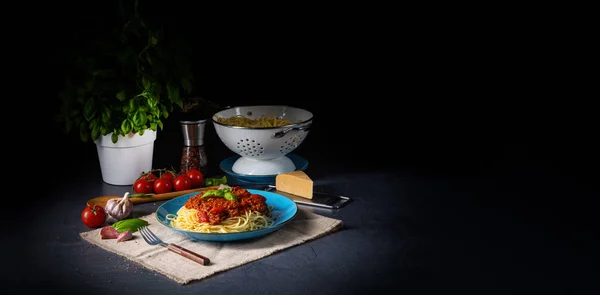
x=152 y=239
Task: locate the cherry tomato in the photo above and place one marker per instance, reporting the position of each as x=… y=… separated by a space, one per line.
x=163 y=185
x=202 y=216
x=151 y=177
x=168 y=175
x=93 y=216
x=217 y=210
x=196 y=177
x=142 y=186
x=182 y=182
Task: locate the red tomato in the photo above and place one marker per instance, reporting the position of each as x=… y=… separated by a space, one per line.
x=151 y=177
x=142 y=186
x=202 y=216
x=168 y=175
x=216 y=210
x=163 y=185
x=182 y=182
x=93 y=216
x=196 y=177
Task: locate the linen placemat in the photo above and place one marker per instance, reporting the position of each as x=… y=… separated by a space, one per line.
x=223 y=256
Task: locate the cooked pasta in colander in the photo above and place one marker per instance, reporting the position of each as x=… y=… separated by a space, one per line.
x=260 y=122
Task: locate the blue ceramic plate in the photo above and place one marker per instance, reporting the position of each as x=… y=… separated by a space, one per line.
x=283 y=210
x=227 y=164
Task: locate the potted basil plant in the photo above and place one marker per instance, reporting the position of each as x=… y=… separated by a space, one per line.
x=123 y=86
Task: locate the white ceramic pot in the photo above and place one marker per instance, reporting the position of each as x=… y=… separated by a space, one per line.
x=123 y=162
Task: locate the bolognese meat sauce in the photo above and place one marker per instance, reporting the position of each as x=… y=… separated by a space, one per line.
x=215 y=209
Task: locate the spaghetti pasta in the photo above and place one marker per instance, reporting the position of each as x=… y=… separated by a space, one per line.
x=225 y=210
x=263 y=121
x=187 y=219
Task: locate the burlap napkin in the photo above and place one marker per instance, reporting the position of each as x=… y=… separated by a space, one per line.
x=223 y=255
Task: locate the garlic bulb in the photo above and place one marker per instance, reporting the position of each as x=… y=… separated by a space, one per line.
x=118 y=208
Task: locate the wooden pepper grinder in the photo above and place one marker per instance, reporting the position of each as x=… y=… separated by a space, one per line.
x=193 y=155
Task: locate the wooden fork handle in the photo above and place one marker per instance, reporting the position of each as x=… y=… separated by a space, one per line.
x=189 y=254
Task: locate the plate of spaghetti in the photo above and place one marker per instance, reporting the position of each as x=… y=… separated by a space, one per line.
x=227 y=213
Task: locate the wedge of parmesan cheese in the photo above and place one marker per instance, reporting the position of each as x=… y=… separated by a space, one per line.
x=295 y=183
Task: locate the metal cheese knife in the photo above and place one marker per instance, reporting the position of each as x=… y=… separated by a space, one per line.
x=319 y=199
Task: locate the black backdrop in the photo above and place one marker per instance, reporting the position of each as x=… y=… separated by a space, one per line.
x=388 y=91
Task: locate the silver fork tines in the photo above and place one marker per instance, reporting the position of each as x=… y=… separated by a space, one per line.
x=152 y=239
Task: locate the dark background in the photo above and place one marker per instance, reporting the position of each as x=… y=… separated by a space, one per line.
x=465 y=97
x=411 y=93
x=400 y=91
x=438 y=97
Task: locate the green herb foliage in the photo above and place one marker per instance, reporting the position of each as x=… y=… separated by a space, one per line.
x=126 y=81
x=215 y=181
x=131 y=224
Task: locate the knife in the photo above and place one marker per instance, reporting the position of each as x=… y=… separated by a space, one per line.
x=319 y=199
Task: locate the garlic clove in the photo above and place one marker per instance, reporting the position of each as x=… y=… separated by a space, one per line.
x=108 y=232
x=124 y=236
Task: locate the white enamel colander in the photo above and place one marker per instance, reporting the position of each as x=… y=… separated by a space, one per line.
x=263 y=150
